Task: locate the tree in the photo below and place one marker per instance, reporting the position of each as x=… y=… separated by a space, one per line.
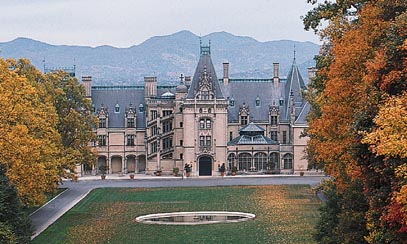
x=363 y=63
x=15 y=226
x=29 y=141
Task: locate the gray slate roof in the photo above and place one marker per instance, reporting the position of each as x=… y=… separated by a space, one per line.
x=205 y=63
x=123 y=97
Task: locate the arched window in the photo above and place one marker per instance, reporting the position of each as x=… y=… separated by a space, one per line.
x=231 y=160
x=274 y=161
x=260 y=161
x=232 y=102
x=288 y=161
x=257 y=102
x=244 y=161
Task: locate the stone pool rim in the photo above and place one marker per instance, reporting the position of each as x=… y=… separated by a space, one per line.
x=145 y=219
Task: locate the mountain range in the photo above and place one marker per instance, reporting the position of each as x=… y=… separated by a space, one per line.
x=166 y=57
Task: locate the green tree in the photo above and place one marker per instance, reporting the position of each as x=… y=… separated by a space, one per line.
x=15 y=226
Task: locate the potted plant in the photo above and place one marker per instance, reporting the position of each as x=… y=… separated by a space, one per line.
x=158 y=172
x=132 y=176
x=187 y=169
x=233 y=170
x=175 y=171
x=103 y=169
x=222 y=170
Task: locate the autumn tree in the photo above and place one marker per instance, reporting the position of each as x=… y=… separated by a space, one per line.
x=362 y=62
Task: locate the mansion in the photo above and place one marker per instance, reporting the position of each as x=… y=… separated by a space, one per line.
x=252 y=124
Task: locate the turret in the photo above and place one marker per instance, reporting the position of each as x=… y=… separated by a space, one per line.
x=150 y=86
x=87 y=83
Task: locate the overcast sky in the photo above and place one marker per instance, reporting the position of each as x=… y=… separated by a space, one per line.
x=122 y=23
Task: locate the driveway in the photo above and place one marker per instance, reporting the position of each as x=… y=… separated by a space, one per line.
x=50 y=212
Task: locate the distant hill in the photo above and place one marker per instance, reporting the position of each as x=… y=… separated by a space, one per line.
x=166 y=57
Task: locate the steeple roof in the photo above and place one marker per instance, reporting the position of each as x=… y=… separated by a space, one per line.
x=205 y=72
x=294 y=86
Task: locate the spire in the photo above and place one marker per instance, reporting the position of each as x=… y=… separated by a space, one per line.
x=205 y=49
x=294 y=53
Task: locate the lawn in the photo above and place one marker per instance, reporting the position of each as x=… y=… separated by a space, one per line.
x=284 y=214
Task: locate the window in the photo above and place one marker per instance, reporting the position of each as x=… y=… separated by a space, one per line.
x=153 y=147
x=273 y=120
x=244 y=161
x=209 y=110
x=260 y=161
x=230 y=135
x=181 y=109
x=274 y=161
x=208 y=140
x=281 y=102
x=102 y=140
x=130 y=140
x=284 y=137
x=167 y=126
x=93 y=108
x=117 y=109
x=208 y=123
x=181 y=142
x=181 y=156
x=181 y=124
x=102 y=123
x=288 y=161
x=232 y=102
x=243 y=120
x=141 y=108
x=205 y=95
x=257 y=102
x=130 y=122
x=201 y=141
x=167 y=112
x=202 y=124
x=273 y=135
x=167 y=143
x=153 y=114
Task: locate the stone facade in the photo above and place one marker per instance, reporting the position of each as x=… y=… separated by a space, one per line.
x=254 y=125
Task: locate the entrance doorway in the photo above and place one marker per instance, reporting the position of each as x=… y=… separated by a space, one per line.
x=205 y=166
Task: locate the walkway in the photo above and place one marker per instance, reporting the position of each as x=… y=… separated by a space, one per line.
x=54 y=209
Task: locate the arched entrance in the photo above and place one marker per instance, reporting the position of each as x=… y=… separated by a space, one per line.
x=141 y=166
x=116 y=164
x=102 y=162
x=205 y=166
x=131 y=164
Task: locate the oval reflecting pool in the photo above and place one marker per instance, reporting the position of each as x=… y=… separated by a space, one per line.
x=195 y=218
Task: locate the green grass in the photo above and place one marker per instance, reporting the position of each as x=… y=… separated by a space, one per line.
x=284 y=214
x=49 y=196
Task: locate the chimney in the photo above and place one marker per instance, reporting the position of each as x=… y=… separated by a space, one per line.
x=312 y=71
x=87 y=83
x=225 y=73
x=275 y=72
x=150 y=86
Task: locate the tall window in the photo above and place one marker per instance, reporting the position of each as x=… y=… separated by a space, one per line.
x=202 y=124
x=154 y=147
x=201 y=141
x=284 y=137
x=130 y=140
x=130 y=122
x=288 y=161
x=153 y=114
x=167 y=126
x=102 y=140
x=274 y=161
x=181 y=142
x=167 y=143
x=181 y=124
x=260 y=161
x=102 y=123
x=244 y=161
x=208 y=123
x=230 y=135
x=208 y=140
x=273 y=135
x=243 y=120
x=273 y=120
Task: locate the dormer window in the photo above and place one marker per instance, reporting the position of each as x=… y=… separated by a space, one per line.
x=232 y=102
x=257 y=102
x=281 y=102
x=205 y=95
x=141 y=108
x=117 y=108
